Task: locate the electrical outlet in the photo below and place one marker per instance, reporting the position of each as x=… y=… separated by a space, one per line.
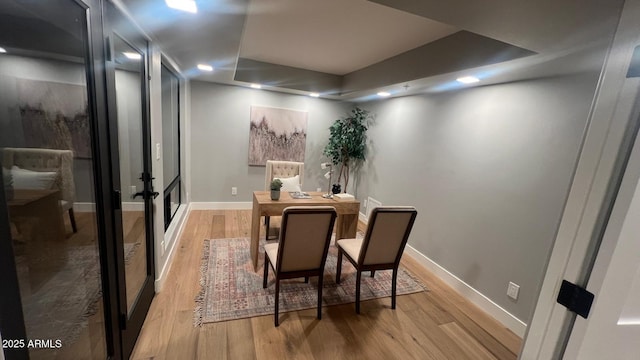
x=133 y=189
x=157 y=151
x=365 y=204
x=513 y=290
x=234 y=191
x=319 y=190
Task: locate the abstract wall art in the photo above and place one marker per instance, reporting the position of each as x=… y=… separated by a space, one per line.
x=276 y=134
x=54 y=116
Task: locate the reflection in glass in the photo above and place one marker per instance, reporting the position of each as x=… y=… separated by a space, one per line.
x=48 y=178
x=171 y=141
x=128 y=75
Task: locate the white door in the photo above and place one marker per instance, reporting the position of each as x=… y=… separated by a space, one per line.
x=612 y=329
x=589 y=214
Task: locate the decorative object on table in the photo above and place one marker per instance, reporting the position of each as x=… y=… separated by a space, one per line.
x=381 y=249
x=276 y=134
x=299 y=195
x=327 y=175
x=344 y=197
x=231 y=289
x=335 y=189
x=347 y=144
x=276 y=185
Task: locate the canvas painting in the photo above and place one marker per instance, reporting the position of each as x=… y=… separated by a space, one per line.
x=276 y=134
x=54 y=116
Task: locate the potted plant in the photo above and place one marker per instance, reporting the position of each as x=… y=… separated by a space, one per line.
x=276 y=185
x=348 y=143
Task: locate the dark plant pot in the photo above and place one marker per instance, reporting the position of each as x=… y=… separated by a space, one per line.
x=275 y=194
x=336 y=188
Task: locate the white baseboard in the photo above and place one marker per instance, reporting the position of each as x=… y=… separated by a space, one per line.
x=91 y=207
x=84 y=207
x=173 y=235
x=496 y=311
x=363 y=218
x=220 y=205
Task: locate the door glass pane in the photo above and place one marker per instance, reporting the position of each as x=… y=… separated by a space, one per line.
x=170 y=126
x=128 y=81
x=47 y=165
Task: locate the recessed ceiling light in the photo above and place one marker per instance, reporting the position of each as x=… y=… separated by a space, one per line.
x=383 y=94
x=467 y=79
x=184 y=5
x=2 y=50
x=132 y=55
x=314 y=94
x=256 y=86
x=205 y=67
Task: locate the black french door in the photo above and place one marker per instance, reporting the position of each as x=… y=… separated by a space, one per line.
x=130 y=140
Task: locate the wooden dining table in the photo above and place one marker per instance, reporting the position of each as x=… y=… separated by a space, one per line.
x=346 y=223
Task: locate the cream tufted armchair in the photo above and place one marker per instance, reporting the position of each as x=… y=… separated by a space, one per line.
x=280 y=169
x=60 y=161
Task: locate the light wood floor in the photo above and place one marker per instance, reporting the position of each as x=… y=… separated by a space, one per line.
x=438 y=324
x=90 y=344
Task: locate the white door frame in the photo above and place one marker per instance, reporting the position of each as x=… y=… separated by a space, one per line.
x=591 y=194
x=601 y=336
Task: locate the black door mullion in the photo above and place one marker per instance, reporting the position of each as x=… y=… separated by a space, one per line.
x=130 y=318
x=97 y=86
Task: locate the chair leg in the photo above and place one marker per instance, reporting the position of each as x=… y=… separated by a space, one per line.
x=266 y=271
x=320 y=281
x=277 y=302
x=358 y=291
x=373 y=272
x=306 y=279
x=339 y=266
x=72 y=218
x=394 y=279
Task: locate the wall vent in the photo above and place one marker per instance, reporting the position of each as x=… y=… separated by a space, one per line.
x=371 y=204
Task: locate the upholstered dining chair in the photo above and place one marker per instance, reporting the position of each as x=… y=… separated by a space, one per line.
x=44 y=161
x=381 y=249
x=292 y=174
x=302 y=249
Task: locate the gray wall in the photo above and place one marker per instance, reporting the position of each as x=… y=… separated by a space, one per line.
x=488 y=169
x=220 y=139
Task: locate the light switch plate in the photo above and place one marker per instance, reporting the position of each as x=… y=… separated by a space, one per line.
x=157 y=151
x=513 y=290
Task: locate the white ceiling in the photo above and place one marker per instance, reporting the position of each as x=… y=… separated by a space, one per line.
x=332 y=36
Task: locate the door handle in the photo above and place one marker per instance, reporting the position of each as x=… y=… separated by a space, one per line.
x=145 y=195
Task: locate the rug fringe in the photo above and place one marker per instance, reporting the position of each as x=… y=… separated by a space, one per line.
x=204 y=266
x=414 y=278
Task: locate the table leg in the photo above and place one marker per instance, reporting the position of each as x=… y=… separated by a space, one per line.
x=255 y=234
x=346 y=226
x=50 y=215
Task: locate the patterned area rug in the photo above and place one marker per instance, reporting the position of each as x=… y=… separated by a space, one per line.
x=230 y=289
x=60 y=307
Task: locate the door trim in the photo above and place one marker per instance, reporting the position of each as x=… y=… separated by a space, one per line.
x=594 y=187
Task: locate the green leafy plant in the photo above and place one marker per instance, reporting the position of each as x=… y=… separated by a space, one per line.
x=276 y=184
x=347 y=144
